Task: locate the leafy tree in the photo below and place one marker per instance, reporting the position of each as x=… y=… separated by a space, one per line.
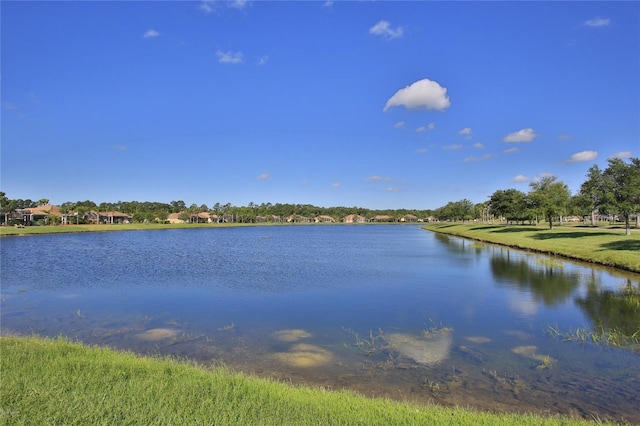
x=456 y=210
x=622 y=188
x=161 y=215
x=52 y=220
x=466 y=210
x=178 y=206
x=509 y=203
x=550 y=197
x=6 y=206
x=592 y=192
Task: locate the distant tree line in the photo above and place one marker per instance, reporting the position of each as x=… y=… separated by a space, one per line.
x=613 y=192
x=142 y=211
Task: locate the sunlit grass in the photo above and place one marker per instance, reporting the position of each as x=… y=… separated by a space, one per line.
x=54 y=381
x=602 y=246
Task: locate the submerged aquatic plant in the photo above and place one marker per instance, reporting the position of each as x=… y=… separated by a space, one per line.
x=229 y=327
x=545 y=362
x=599 y=336
x=370 y=345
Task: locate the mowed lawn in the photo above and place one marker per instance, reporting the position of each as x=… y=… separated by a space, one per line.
x=610 y=247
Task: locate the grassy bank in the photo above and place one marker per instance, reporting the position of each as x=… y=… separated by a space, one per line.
x=601 y=246
x=47 y=381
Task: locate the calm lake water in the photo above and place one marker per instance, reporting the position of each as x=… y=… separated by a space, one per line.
x=393 y=311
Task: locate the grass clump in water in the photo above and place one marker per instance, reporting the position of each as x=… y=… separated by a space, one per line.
x=55 y=381
x=599 y=336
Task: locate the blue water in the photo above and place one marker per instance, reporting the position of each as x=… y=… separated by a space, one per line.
x=225 y=294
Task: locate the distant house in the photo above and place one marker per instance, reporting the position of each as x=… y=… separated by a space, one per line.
x=324 y=219
x=225 y=218
x=298 y=219
x=354 y=218
x=382 y=218
x=409 y=218
x=110 y=218
x=35 y=214
x=174 y=218
x=68 y=218
x=202 y=217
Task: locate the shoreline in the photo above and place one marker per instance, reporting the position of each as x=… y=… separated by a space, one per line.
x=585 y=251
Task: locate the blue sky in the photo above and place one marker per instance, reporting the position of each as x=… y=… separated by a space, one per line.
x=371 y=104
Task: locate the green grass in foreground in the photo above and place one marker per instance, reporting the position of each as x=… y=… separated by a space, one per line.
x=46 y=381
x=602 y=246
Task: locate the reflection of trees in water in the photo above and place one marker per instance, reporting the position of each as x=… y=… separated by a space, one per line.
x=548 y=283
x=459 y=245
x=613 y=310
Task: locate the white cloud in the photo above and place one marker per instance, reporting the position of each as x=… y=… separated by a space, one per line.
x=429 y=126
x=238 y=4
x=393 y=189
x=519 y=179
x=565 y=137
x=453 y=147
x=210 y=6
x=483 y=158
x=423 y=93
x=336 y=185
x=207 y=6
x=119 y=147
x=478 y=145
x=151 y=34
x=264 y=176
x=383 y=28
x=582 y=156
x=328 y=4
x=621 y=154
x=465 y=132
x=597 y=22
x=511 y=150
x=377 y=179
x=399 y=124
x=263 y=60
x=523 y=135
x=421 y=150
x=229 y=57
